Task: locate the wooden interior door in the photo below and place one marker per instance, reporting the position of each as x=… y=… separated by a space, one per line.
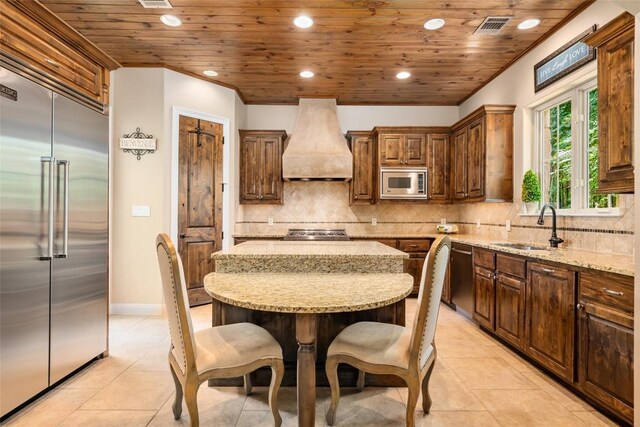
x=199 y=201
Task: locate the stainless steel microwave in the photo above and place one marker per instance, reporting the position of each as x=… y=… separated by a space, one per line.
x=403 y=183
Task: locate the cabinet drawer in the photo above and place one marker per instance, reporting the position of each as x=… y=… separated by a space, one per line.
x=29 y=42
x=484 y=258
x=389 y=242
x=511 y=265
x=606 y=288
x=414 y=245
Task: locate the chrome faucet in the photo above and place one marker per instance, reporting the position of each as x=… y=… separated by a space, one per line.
x=554 y=240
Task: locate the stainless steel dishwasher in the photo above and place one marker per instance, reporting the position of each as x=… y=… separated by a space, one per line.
x=462 y=278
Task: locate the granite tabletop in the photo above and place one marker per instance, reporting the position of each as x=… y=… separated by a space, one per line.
x=613 y=263
x=305 y=257
x=308 y=293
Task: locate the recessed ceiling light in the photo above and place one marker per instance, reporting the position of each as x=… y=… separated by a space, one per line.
x=303 y=21
x=171 y=20
x=210 y=73
x=529 y=23
x=403 y=75
x=434 y=24
x=306 y=74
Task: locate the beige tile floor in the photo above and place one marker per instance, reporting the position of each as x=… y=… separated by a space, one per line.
x=476 y=382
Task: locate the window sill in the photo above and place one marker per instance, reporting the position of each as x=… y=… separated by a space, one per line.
x=600 y=213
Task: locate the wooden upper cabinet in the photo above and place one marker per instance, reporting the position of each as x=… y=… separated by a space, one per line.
x=415 y=150
x=475 y=159
x=438 y=166
x=459 y=170
x=362 y=186
x=402 y=146
x=605 y=339
x=261 y=166
x=482 y=155
x=615 y=45
x=550 y=317
x=66 y=61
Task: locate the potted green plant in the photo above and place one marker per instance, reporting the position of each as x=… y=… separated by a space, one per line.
x=531 y=191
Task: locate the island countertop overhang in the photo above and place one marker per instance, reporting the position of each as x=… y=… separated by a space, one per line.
x=306 y=257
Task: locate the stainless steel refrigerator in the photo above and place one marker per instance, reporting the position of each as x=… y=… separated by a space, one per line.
x=53 y=237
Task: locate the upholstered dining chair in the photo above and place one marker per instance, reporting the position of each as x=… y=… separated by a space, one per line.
x=222 y=351
x=382 y=348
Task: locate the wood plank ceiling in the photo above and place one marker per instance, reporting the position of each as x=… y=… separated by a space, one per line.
x=355 y=48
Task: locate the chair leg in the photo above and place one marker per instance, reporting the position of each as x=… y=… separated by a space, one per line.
x=360 y=383
x=177 y=403
x=277 y=372
x=413 y=385
x=426 y=397
x=247 y=384
x=191 y=399
x=331 y=368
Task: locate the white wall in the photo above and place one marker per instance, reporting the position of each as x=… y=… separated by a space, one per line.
x=354 y=117
x=137 y=101
x=148 y=98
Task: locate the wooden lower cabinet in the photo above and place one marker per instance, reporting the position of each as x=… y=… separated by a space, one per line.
x=413 y=266
x=484 y=300
x=550 y=318
x=510 y=308
x=605 y=341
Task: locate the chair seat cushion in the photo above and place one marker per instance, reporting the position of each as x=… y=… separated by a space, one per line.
x=233 y=345
x=375 y=343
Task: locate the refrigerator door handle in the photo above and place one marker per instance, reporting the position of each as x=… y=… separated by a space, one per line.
x=51 y=161
x=65 y=211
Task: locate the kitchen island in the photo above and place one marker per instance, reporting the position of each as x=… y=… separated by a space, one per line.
x=274 y=284
x=341 y=282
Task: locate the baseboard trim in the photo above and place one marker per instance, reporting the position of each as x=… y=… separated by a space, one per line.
x=140 y=309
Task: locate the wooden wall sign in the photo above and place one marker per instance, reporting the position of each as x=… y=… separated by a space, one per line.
x=564 y=61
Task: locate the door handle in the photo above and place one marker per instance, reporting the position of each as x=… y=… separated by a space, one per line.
x=49 y=255
x=548 y=270
x=65 y=211
x=182 y=235
x=612 y=293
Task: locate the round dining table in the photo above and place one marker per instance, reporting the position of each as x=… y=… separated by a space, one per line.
x=307 y=295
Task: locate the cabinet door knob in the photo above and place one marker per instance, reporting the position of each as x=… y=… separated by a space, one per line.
x=182 y=235
x=580 y=306
x=355 y=197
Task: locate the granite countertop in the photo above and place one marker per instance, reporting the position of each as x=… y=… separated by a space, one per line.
x=613 y=263
x=308 y=293
x=303 y=257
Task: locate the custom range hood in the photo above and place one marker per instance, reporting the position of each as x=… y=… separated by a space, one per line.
x=317 y=150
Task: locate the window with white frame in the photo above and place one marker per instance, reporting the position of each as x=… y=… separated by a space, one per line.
x=567 y=152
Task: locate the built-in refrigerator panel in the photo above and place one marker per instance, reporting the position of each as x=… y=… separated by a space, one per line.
x=79 y=281
x=25 y=148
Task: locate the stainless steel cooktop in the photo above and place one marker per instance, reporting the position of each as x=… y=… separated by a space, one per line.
x=316 y=234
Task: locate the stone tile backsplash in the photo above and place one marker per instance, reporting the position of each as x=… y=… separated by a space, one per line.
x=326 y=205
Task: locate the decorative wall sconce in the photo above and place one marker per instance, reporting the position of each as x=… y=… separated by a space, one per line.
x=138 y=143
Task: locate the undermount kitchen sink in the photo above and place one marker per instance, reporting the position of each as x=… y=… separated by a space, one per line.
x=521 y=246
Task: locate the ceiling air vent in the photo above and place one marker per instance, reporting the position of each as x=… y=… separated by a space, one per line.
x=492 y=25
x=155 y=4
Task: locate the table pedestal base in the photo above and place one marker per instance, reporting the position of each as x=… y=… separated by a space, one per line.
x=306 y=335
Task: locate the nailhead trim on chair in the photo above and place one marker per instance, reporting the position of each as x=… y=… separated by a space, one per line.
x=181 y=366
x=428 y=302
